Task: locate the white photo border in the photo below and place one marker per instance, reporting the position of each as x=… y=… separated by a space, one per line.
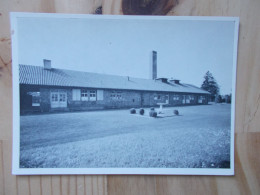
x=16 y=170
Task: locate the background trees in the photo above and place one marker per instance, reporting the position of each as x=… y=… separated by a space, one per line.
x=210 y=84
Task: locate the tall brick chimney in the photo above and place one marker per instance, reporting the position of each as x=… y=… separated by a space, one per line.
x=47 y=64
x=153 y=67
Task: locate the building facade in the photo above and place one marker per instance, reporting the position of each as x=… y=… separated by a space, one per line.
x=46 y=89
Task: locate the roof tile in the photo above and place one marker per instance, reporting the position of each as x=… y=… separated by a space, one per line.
x=37 y=75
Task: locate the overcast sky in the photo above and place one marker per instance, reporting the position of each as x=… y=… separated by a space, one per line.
x=186 y=50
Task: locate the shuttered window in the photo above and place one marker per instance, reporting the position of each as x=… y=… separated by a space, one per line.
x=76 y=94
x=100 y=95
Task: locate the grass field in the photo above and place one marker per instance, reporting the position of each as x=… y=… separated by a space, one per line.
x=199 y=137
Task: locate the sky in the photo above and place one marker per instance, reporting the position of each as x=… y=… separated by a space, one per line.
x=186 y=49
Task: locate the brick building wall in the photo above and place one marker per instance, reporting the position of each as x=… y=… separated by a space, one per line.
x=111 y=99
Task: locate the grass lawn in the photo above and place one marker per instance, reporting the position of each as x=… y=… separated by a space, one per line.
x=199 y=137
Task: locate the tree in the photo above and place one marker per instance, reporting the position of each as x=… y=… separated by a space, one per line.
x=210 y=84
x=228 y=98
x=218 y=99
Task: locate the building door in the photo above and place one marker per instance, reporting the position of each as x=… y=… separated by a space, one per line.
x=200 y=99
x=187 y=99
x=167 y=99
x=58 y=99
x=183 y=99
x=142 y=99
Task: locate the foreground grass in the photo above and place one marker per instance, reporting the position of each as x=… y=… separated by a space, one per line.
x=198 y=138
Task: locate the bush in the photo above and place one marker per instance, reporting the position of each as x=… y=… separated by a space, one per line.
x=141 y=111
x=152 y=113
x=176 y=112
x=132 y=111
x=152 y=109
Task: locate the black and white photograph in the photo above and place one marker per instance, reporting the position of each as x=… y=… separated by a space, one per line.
x=99 y=94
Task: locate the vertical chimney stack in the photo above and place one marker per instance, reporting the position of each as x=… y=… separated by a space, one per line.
x=153 y=68
x=47 y=64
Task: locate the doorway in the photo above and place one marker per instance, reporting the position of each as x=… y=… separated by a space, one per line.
x=58 y=100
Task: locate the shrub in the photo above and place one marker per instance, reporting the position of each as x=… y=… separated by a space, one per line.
x=132 y=111
x=141 y=111
x=176 y=112
x=152 y=113
x=152 y=109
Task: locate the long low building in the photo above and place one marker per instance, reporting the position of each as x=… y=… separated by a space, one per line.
x=47 y=89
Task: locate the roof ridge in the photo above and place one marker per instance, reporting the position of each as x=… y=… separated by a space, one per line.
x=102 y=74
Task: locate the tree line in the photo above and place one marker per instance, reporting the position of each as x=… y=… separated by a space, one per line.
x=210 y=84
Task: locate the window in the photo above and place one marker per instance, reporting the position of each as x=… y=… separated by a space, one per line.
x=54 y=97
x=188 y=98
x=116 y=95
x=62 y=97
x=192 y=97
x=84 y=95
x=119 y=95
x=176 y=97
x=113 y=95
x=92 y=95
x=58 y=99
x=157 y=97
x=201 y=98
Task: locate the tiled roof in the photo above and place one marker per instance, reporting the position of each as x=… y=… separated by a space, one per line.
x=36 y=75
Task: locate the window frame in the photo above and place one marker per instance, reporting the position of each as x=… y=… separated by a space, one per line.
x=55 y=97
x=116 y=95
x=84 y=95
x=176 y=97
x=91 y=93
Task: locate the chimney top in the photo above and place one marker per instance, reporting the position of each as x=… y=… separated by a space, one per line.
x=47 y=64
x=153 y=66
x=164 y=80
x=176 y=81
